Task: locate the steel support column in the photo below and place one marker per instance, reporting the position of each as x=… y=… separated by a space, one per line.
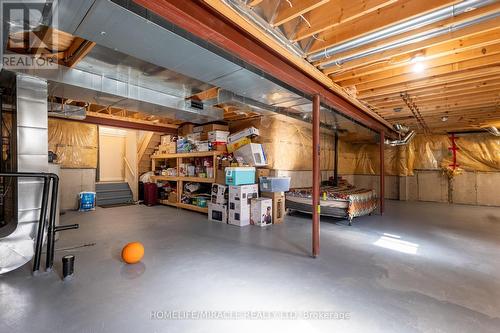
x=336 y=161
x=316 y=176
x=382 y=172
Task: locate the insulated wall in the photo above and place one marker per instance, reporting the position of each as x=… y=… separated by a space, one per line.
x=74 y=143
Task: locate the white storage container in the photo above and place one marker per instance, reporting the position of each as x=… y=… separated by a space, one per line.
x=253 y=154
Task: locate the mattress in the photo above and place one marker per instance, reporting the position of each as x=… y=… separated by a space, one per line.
x=343 y=201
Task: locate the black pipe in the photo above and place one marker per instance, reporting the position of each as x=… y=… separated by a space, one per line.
x=336 y=161
x=41 y=224
x=52 y=223
x=66 y=227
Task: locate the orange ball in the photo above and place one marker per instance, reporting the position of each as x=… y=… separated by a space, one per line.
x=133 y=252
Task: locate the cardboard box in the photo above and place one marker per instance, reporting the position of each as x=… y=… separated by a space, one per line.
x=200 y=136
x=169 y=148
x=220 y=175
x=250 y=131
x=165 y=139
x=218 y=136
x=231 y=147
x=262 y=173
x=172 y=197
x=202 y=146
x=278 y=205
x=242 y=195
x=253 y=154
x=261 y=212
x=239 y=218
x=219 y=146
x=219 y=194
x=217 y=213
x=185 y=129
x=210 y=127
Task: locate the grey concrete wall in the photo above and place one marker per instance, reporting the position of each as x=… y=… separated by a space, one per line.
x=470 y=188
x=74 y=181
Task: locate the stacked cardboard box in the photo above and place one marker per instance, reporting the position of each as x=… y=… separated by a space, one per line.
x=196 y=138
x=218 y=140
x=261 y=212
x=217 y=207
x=278 y=205
x=240 y=198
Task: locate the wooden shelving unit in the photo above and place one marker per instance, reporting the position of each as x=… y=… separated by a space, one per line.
x=181 y=179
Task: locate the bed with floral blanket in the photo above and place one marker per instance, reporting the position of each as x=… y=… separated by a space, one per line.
x=343 y=201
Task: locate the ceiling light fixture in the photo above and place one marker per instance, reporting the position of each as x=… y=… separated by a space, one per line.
x=444 y=118
x=417 y=61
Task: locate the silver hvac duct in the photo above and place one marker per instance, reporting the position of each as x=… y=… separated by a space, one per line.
x=403 y=141
x=412 y=24
x=493 y=130
x=67 y=111
x=17 y=248
x=252 y=17
x=400 y=128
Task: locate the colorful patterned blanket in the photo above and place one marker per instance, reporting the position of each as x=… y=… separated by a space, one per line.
x=360 y=201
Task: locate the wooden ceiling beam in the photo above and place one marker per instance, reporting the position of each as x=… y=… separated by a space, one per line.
x=396 y=13
x=427 y=29
x=475 y=42
x=298 y=7
x=416 y=48
x=432 y=81
x=77 y=55
x=453 y=86
x=335 y=13
x=428 y=64
x=441 y=97
x=158 y=127
x=206 y=94
x=456 y=68
x=451 y=106
x=486 y=111
x=254 y=3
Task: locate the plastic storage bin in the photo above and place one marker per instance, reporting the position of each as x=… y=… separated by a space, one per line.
x=274 y=184
x=240 y=176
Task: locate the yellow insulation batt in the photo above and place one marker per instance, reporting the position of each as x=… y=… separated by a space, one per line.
x=75 y=143
x=288 y=144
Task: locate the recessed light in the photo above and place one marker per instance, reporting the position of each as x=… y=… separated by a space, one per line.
x=103 y=33
x=418 y=67
x=444 y=118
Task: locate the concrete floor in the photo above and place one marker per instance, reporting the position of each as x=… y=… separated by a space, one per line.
x=441 y=275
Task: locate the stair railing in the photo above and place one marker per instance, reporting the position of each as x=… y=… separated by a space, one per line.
x=48 y=179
